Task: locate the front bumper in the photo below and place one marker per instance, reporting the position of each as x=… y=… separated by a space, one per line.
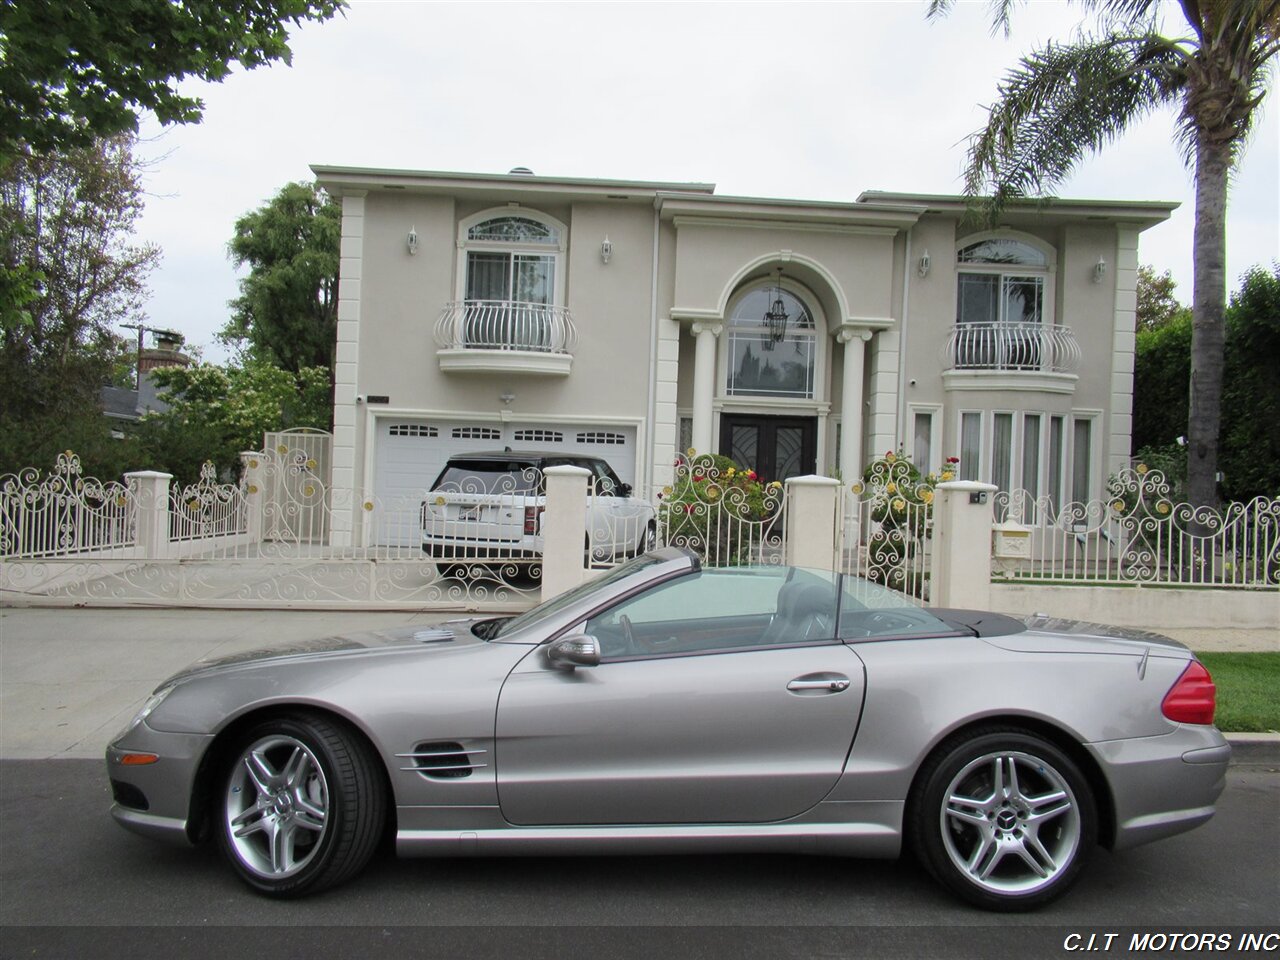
x=1163 y=785
x=154 y=799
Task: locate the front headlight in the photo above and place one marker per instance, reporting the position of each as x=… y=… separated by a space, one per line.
x=153 y=701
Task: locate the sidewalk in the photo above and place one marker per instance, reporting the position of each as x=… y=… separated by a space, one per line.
x=71 y=678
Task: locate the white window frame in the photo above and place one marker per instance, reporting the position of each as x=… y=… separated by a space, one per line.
x=983 y=433
x=1047 y=272
x=820 y=337
x=1093 y=491
x=559 y=251
x=1021 y=452
x=934 y=412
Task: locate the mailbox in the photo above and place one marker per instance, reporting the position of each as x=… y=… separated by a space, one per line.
x=1012 y=541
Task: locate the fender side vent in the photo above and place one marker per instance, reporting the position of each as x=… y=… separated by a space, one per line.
x=443 y=760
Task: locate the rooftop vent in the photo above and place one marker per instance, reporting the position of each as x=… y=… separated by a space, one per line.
x=520 y=172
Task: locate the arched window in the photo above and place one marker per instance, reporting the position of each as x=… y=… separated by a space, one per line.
x=771 y=361
x=511 y=259
x=1004 y=300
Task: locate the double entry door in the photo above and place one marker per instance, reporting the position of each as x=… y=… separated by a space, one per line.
x=775 y=447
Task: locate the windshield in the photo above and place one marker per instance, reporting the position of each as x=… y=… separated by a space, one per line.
x=490 y=476
x=553 y=606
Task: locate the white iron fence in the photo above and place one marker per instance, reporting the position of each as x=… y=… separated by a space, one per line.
x=886 y=526
x=64 y=513
x=1139 y=535
x=725 y=515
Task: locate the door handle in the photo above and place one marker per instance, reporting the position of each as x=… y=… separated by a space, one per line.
x=830 y=684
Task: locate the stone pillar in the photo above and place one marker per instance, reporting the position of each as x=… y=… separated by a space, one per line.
x=855 y=361
x=704 y=383
x=151 y=498
x=963 y=514
x=254 y=496
x=811 y=522
x=564 y=530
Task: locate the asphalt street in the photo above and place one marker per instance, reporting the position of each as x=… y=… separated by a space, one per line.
x=76 y=885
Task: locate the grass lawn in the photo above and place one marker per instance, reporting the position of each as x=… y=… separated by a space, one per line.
x=1248 y=691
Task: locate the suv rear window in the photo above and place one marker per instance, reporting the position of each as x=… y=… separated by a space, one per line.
x=490 y=476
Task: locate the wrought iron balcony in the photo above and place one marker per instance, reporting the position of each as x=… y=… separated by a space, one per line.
x=488 y=336
x=1013 y=347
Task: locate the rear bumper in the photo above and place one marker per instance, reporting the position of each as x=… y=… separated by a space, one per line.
x=1163 y=785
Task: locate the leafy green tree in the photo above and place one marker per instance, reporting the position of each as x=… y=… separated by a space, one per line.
x=287 y=311
x=1157 y=304
x=1067 y=100
x=69 y=272
x=75 y=70
x=216 y=412
x=1251 y=399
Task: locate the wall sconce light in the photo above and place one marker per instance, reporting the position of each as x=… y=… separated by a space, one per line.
x=606 y=250
x=411 y=241
x=925 y=264
x=1099 y=270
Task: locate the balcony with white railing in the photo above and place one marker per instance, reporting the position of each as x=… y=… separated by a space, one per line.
x=1022 y=355
x=505 y=336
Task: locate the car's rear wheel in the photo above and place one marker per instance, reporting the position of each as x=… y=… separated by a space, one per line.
x=1003 y=818
x=302 y=803
x=648 y=540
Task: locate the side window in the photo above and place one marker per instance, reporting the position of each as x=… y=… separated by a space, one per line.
x=721 y=610
x=870 y=610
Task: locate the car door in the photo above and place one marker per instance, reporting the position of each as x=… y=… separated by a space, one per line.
x=709 y=706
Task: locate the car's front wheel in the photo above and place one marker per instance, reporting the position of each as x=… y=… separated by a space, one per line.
x=1003 y=818
x=302 y=803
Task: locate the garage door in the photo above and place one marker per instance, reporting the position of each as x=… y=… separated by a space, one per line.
x=409 y=455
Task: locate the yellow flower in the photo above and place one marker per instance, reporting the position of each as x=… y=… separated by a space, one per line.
x=691 y=452
x=1142 y=468
x=776 y=485
x=666 y=491
x=932 y=478
x=891 y=488
x=927 y=496
x=899 y=506
x=730 y=472
x=1117 y=506
x=890 y=457
x=947 y=475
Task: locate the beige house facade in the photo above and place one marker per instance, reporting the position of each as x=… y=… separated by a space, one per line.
x=636 y=320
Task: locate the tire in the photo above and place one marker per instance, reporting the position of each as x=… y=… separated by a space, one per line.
x=1002 y=818
x=301 y=805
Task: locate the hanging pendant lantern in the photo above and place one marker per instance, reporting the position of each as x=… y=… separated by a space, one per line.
x=775 y=320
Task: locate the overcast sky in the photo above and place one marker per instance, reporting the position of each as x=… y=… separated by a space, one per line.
x=814 y=101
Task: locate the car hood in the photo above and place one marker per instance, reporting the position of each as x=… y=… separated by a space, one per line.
x=436 y=637
x=1054 y=635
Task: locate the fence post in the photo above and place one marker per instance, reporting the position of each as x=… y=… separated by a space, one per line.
x=564 y=529
x=251 y=484
x=811 y=522
x=151 y=498
x=963 y=514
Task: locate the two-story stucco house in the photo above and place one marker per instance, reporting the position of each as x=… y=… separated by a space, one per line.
x=635 y=320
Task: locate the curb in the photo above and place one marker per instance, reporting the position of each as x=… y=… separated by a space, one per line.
x=1254 y=747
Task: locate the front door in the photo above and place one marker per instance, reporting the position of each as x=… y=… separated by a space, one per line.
x=775 y=447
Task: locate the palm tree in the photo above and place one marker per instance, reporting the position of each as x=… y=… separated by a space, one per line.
x=1067 y=100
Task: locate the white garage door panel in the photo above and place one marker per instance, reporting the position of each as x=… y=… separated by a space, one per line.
x=410 y=454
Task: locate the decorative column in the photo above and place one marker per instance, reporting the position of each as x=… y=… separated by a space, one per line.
x=564 y=530
x=962 y=520
x=855 y=341
x=150 y=491
x=704 y=382
x=811 y=522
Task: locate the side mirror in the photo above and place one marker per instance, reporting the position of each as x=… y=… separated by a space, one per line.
x=624 y=489
x=575 y=651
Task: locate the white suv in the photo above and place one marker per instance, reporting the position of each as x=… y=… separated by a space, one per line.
x=489 y=506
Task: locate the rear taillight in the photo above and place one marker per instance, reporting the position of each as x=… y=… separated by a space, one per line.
x=531 y=515
x=1193 y=698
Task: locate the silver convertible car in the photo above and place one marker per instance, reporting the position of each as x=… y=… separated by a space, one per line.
x=667 y=708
